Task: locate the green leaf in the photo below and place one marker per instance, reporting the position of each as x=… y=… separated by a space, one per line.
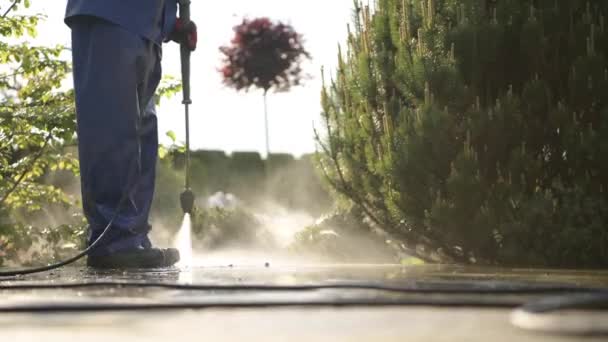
x=172 y=136
x=162 y=152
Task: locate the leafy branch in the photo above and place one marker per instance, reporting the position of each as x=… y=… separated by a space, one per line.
x=26 y=170
x=8 y=10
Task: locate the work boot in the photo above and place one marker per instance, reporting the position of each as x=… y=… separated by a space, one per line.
x=136 y=258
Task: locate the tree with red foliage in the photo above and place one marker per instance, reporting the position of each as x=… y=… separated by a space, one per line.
x=263 y=55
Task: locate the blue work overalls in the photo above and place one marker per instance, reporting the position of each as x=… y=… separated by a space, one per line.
x=116 y=49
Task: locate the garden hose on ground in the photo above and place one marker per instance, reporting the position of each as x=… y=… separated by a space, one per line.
x=413 y=287
x=544 y=315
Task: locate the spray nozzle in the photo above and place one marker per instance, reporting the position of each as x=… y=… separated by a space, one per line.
x=186 y=199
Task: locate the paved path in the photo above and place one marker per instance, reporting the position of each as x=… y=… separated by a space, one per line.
x=104 y=312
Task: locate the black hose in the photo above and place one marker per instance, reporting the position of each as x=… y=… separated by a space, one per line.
x=593 y=300
x=192 y=305
x=413 y=288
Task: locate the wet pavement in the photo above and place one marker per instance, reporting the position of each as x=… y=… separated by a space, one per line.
x=442 y=303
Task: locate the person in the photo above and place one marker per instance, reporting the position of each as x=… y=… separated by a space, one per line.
x=116 y=55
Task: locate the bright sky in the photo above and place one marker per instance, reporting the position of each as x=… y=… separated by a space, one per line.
x=222 y=118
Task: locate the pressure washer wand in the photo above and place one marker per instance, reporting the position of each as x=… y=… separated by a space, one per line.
x=186 y=197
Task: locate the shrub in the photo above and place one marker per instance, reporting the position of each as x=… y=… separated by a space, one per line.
x=476 y=130
x=37 y=123
x=344 y=237
x=217 y=228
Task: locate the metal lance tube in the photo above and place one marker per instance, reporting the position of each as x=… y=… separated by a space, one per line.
x=186 y=197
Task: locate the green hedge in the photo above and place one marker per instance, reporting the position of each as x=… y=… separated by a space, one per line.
x=281 y=178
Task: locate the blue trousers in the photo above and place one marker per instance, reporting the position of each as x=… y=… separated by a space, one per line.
x=116 y=74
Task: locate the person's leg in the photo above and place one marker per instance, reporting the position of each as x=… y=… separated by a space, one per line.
x=148 y=76
x=114 y=77
x=149 y=156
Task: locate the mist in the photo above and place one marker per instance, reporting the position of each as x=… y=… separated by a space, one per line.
x=273 y=213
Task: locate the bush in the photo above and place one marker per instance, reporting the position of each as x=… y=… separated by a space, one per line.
x=37 y=124
x=475 y=131
x=38 y=245
x=344 y=237
x=217 y=228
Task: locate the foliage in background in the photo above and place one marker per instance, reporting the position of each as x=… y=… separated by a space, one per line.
x=221 y=228
x=36 y=123
x=280 y=178
x=476 y=130
x=36 y=116
x=26 y=245
x=345 y=237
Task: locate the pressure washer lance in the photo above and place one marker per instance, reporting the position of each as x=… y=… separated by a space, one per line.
x=187 y=197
